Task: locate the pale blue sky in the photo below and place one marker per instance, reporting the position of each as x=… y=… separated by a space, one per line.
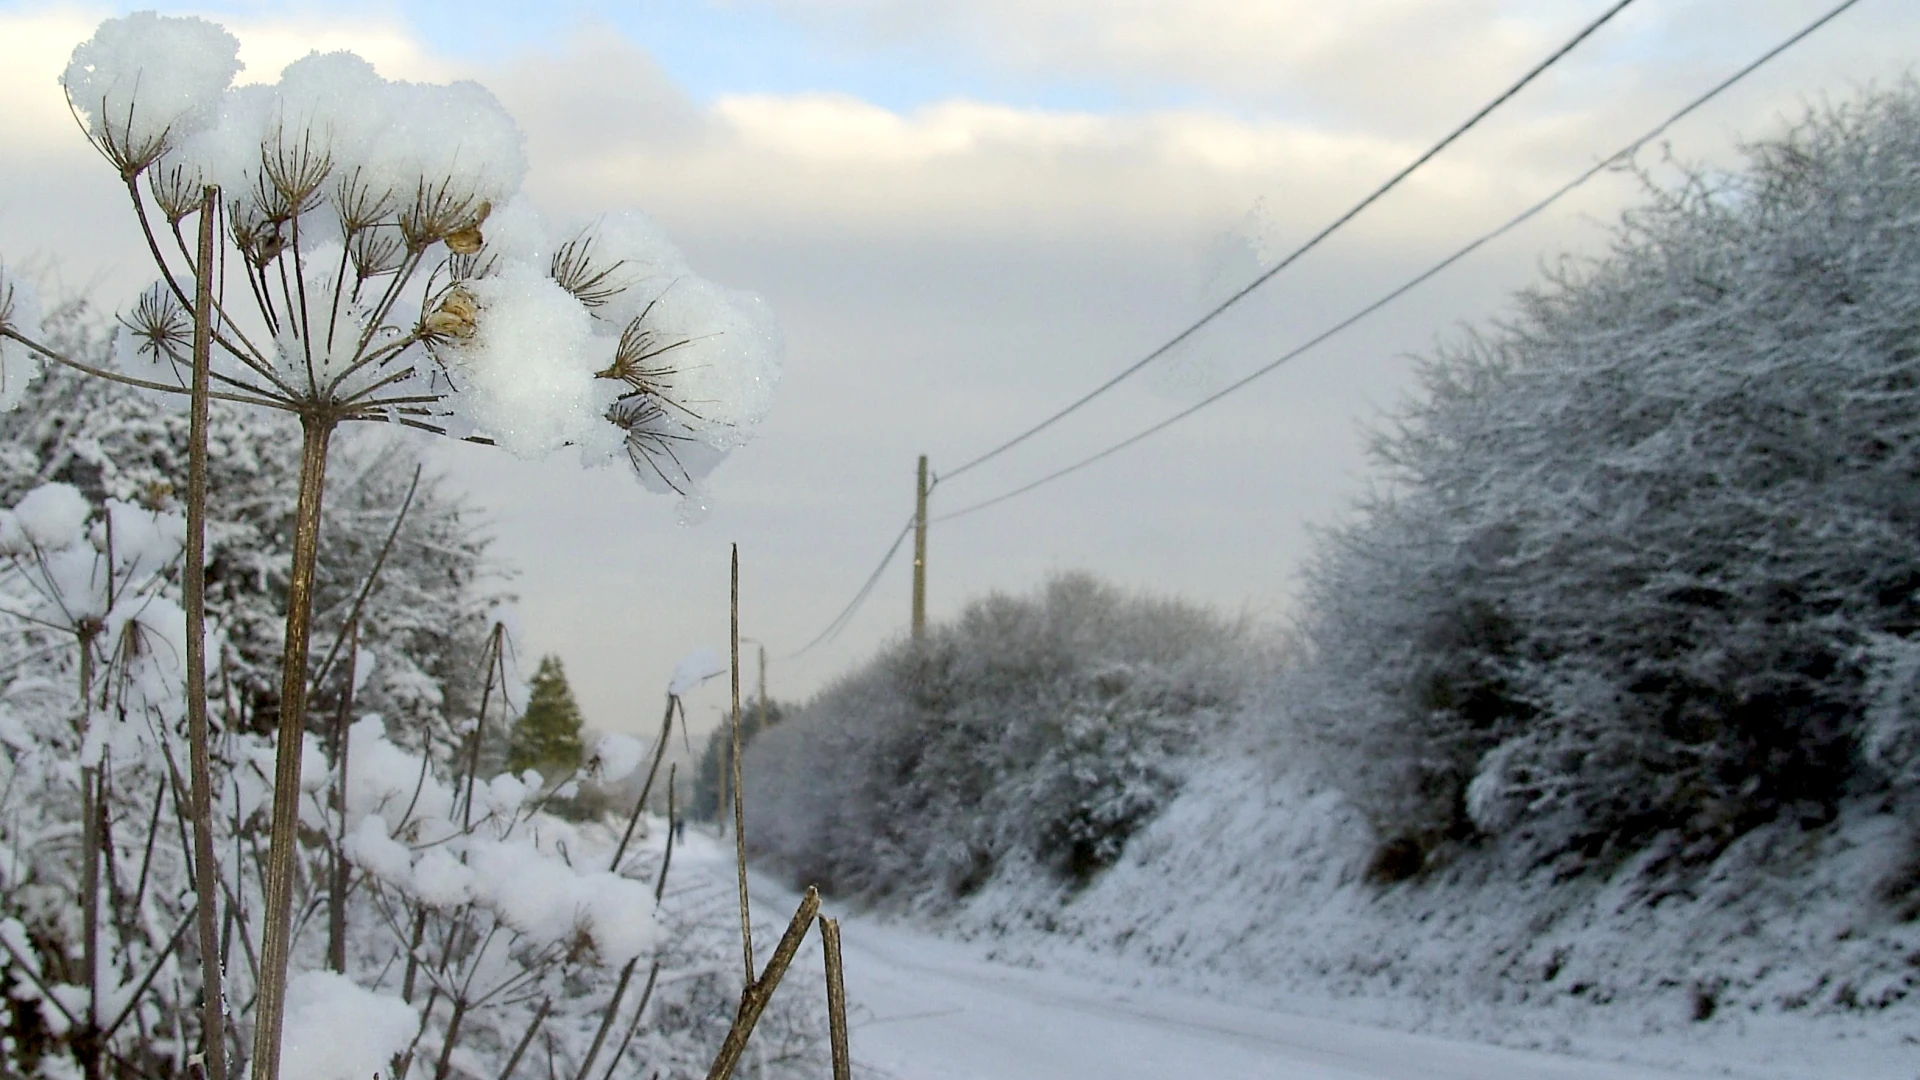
x=712 y=49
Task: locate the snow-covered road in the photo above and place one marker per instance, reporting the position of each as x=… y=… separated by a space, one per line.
x=927 y=1009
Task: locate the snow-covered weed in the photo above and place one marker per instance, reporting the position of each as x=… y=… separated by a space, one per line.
x=384 y=270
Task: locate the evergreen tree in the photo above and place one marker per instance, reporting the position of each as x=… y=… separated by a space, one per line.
x=547 y=735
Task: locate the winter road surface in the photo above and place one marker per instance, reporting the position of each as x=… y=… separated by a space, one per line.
x=926 y=1009
x=923 y=1008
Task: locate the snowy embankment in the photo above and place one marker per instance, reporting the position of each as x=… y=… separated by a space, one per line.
x=1233 y=866
x=1778 y=959
x=924 y=1007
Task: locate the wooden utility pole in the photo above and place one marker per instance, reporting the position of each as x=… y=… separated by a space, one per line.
x=920 y=554
x=763 y=686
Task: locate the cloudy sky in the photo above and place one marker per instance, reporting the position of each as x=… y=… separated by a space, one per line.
x=967 y=214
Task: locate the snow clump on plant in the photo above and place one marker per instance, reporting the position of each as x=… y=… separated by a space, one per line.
x=398 y=274
x=19 y=315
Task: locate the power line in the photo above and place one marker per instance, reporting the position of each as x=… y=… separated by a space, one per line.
x=1608 y=163
x=1312 y=243
x=841 y=620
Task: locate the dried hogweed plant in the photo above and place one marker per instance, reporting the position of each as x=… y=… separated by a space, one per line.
x=346 y=249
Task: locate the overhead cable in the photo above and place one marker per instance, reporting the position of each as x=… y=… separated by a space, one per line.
x=841 y=620
x=1312 y=243
x=1616 y=159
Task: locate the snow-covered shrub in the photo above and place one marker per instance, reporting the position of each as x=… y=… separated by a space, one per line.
x=1634 y=542
x=1892 y=737
x=450 y=912
x=1042 y=730
x=422 y=628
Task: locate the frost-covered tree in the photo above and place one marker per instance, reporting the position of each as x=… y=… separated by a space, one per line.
x=1033 y=731
x=363 y=257
x=1647 y=555
x=710 y=781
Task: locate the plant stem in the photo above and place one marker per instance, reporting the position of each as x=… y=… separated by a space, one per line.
x=413 y=956
x=739 y=803
x=836 y=999
x=753 y=1002
x=606 y=1020
x=89 y=1043
x=520 y=1049
x=89 y=866
x=200 y=794
x=340 y=871
x=496 y=642
x=639 y=1014
x=646 y=789
x=282 y=856
x=451 y=1038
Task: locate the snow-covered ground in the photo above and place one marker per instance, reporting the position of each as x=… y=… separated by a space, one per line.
x=928 y=1009
x=1237 y=937
x=924 y=1007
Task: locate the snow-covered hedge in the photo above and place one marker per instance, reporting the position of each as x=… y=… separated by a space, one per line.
x=1038 y=730
x=1649 y=556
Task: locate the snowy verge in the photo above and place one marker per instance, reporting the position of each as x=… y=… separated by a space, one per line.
x=1780 y=958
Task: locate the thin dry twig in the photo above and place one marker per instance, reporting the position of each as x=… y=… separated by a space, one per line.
x=520 y=1049
x=200 y=794
x=836 y=999
x=753 y=1001
x=646 y=789
x=739 y=802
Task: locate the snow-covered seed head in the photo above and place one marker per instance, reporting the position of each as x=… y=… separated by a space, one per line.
x=641 y=358
x=439 y=211
x=292 y=170
x=484 y=323
x=375 y=252
x=592 y=281
x=8 y=303
x=357 y=203
x=161 y=328
x=176 y=189
x=257 y=235
x=143 y=82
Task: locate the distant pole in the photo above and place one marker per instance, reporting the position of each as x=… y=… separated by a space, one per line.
x=761 y=711
x=920 y=554
x=724 y=766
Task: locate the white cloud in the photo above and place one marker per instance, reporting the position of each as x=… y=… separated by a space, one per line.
x=1356 y=57
x=950 y=272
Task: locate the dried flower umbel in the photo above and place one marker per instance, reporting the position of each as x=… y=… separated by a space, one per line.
x=369 y=261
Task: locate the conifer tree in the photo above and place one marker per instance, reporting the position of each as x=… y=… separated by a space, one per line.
x=547 y=735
